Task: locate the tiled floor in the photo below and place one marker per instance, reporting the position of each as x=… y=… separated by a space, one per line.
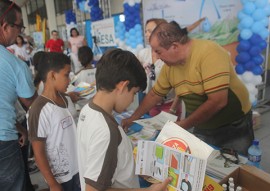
x=262 y=134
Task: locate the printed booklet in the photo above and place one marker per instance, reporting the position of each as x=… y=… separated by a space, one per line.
x=160 y=161
x=218 y=167
x=150 y=127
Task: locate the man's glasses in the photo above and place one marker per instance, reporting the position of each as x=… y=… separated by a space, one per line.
x=152 y=73
x=19 y=27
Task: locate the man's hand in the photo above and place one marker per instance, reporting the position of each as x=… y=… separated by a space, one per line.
x=160 y=186
x=126 y=123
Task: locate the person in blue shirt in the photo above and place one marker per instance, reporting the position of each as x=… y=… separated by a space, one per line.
x=16 y=83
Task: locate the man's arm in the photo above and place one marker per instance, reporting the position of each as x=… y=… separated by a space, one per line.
x=149 y=101
x=215 y=102
x=155 y=187
x=28 y=101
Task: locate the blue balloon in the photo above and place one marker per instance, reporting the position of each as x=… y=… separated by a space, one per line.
x=241 y=15
x=138 y=27
x=260 y=3
x=249 y=7
x=267 y=10
x=250 y=65
x=242 y=57
x=255 y=39
x=265 y=22
x=246 y=22
x=258 y=14
x=239 y=69
x=264 y=33
x=257 y=27
x=257 y=70
x=263 y=45
x=258 y=60
x=255 y=50
x=239 y=37
x=245 y=34
x=243 y=45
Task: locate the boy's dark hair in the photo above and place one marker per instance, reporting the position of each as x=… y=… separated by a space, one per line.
x=8 y=11
x=36 y=60
x=74 y=29
x=85 y=55
x=50 y=61
x=118 y=65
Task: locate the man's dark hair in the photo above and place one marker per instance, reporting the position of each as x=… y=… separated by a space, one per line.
x=118 y=65
x=168 y=33
x=8 y=11
x=85 y=55
x=54 y=31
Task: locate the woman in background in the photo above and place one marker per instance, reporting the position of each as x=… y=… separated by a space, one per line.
x=21 y=49
x=74 y=43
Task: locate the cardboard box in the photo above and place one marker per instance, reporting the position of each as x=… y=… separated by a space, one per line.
x=249 y=178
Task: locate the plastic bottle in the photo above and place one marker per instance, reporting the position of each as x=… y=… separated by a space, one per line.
x=254 y=154
x=224 y=186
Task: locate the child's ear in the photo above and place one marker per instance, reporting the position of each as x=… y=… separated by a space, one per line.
x=122 y=85
x=51 y=75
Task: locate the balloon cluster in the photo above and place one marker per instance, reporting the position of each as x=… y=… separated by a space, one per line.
x=84 y=6
x=96 y=13
x=70 y=17
x=129 y=34
x=252 y=41
x=70 y=20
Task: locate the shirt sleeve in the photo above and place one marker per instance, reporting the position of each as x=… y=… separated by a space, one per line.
x=24 y=83
x=162 y=85
x=38 y=123
x=101 y=160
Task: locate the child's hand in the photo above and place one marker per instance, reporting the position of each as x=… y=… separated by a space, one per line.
x=23 y=140
x=56 y=187
x=74 y=96
x=160 y=186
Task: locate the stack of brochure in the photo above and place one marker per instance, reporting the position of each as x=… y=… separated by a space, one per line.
x=150 y=127
x=187 y=161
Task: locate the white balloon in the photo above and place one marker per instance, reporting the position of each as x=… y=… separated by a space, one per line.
x=247 y=77
x=252 y=98
x=257 y=79
x=140 y=46
x=252 y=89
x=131 y=3
x=137 y=1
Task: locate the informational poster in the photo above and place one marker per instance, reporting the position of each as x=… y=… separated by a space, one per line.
x=104 y=32
x=38 y=39
x=221 y=18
